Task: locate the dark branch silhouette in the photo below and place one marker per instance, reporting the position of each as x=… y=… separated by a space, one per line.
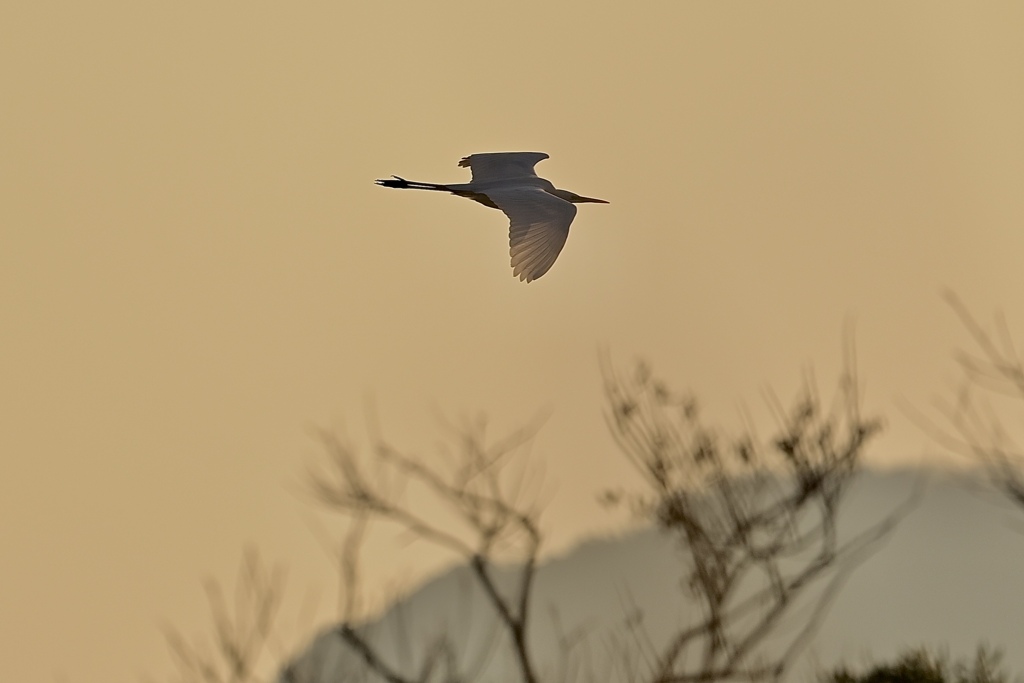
x=496 y=524
x=756 y=523
x=241 y=633
x=993 y=379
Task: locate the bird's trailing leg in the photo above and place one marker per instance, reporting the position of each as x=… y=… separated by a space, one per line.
x=403 y=184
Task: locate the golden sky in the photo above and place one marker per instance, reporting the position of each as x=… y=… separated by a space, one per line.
x=196 y=268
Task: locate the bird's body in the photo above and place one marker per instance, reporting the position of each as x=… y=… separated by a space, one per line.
x=539 y=213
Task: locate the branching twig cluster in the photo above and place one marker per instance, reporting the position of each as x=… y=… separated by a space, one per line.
x=493 y=523
x=242 y=631
x=995 y=368
x=756 y=523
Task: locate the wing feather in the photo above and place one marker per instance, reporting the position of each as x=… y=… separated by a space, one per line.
x=538 y=227
x=502 y=165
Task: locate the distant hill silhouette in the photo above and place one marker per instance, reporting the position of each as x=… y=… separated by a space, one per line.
x=951 y=575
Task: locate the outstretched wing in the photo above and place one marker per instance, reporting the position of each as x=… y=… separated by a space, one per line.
x=502 y=165
x=538 y=227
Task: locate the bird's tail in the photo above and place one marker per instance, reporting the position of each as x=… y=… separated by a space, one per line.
x=403 y=184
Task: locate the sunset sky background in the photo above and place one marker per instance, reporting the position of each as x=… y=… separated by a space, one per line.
x=196 y=269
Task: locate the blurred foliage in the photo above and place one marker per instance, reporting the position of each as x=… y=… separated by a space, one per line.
x=921 y=666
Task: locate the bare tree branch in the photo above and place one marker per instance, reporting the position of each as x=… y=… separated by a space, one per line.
x=496 y=525
x=756 y=523
x=240 y=633
x=978 y=427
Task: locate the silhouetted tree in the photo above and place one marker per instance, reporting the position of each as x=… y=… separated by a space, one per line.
x=993 y=383
x=921 y=666
x=755 y=522
x=495 y=519
x=237 y=650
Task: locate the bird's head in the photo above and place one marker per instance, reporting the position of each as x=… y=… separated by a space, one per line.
x=577 y=199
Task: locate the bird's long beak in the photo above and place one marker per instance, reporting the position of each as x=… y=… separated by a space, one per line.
x=581 y=200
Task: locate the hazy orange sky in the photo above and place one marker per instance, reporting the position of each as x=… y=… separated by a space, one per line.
x=196 y=268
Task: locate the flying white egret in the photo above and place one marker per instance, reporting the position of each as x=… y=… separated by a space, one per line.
x=539 y=213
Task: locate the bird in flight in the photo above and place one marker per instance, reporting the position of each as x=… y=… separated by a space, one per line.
x=539 y=214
